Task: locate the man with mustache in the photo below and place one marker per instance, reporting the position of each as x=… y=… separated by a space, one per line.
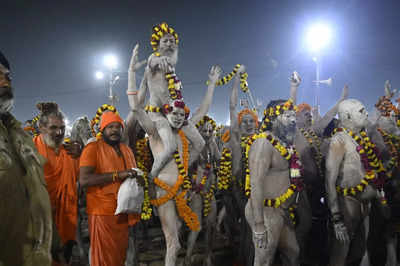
x=273 y=180
x=60 y=171
x=104 y=165
x=26 y=226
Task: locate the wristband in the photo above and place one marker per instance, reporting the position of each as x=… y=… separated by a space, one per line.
x=131 y=92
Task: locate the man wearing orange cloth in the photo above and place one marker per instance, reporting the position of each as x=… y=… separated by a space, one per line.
x=60 y=171
x=104 y=164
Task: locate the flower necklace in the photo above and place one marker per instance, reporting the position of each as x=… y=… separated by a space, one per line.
x=295 y=169
x=315 y=144
x=393 y=144
x=184 y=211
x=374 y=170
x=225 y=170
x=206 y=195
x=143 y=158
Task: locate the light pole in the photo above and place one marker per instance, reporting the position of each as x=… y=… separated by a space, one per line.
x=318 y=37
x=110 y=61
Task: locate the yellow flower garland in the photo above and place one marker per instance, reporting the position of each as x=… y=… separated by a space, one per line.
x=315 y=142
x=159 y=31
x=207 y=119
x=225 y=170
x=393 y=144
x=373 y=161
x=272 y=112
x=96 y=119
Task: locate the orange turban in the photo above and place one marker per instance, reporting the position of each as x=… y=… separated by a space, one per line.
x=303 y=106
x=108 y=118
x=245 y=112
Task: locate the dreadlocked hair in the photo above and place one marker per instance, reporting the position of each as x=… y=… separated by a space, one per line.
x=48 y=109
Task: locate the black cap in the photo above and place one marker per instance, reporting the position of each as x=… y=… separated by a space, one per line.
x=4 y=61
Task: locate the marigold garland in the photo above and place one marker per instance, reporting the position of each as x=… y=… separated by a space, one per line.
x=174 y=86
x=273 y=112
x=225 y=170
x=393 y=144
x=315 y=143
x=96 y=120
x=143 y=161
x=243 y=79
x=183 y=180
x=374 y=170
x=295 y=169
x=159 y=31
x=207 y=119
x=200 y=188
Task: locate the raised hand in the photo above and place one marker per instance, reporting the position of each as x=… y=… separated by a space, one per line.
x=345 y=93
x=295 y=79
x=389 y=93
x=241 y=69
x=135 y=64
x=214 y=74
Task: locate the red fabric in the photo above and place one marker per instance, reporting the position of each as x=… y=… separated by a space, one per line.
x=108 y=118
x=61 y=174
x=108 y=240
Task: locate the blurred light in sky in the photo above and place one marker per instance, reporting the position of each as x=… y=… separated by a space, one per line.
x=110 y=61
x=318 y=37
x=99 y=75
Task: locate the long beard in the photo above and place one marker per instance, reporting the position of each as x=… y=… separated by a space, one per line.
x=286 y=134
x=50 y=142
x=6 y=104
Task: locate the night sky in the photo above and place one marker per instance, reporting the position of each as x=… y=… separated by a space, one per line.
x=55 y=47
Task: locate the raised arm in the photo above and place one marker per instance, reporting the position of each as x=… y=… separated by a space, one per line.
x=137 y=109
x=233 y=100
x=295 y=81
x=322 y=123
x=213 y=77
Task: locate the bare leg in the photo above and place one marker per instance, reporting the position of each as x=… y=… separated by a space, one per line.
x=210 y=227
x=170 y=223
x=304 y=215
x=197 y=206
x=170 y=145
x=289 y=247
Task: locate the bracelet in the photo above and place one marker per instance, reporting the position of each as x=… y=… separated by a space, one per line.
x=260 y=233
x=115 y=176
x=131 y=92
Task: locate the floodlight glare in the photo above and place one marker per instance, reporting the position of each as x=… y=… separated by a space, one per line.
x=110 y=61
x=99 y=75
x=318 y=36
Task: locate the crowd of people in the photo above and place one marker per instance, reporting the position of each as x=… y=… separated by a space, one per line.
x=291 y=187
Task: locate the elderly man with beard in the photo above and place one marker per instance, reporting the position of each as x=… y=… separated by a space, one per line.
x=104 y=165
x=60 y=171
x=164 y=86
x=273 y=181
x=26 y=227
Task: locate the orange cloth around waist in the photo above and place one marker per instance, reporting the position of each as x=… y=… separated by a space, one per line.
x=61 y=174
x=108 y=239
x=102 y=200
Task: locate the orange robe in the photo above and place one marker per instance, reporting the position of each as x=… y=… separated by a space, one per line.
x=61 y=174
x=108 y=233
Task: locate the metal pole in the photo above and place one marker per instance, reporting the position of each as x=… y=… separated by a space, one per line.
x=317 y=90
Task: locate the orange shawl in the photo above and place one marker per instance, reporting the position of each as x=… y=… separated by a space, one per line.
x=61 y=174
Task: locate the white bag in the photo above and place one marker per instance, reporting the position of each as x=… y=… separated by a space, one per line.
x=130 y=196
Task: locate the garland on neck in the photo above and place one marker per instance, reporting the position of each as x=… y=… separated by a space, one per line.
x=315 y=143
x=393 y=144
x=295 y=172
x=374 y=170
x=225 y=170
x=200 y=188
x=272 y=112
x=184 y=211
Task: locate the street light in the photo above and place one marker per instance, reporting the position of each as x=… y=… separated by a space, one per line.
x=110 y=62
x=318 y=37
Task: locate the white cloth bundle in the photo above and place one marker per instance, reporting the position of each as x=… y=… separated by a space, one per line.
x=130 y=195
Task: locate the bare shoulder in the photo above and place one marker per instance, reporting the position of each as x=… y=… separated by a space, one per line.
x=339 y=138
